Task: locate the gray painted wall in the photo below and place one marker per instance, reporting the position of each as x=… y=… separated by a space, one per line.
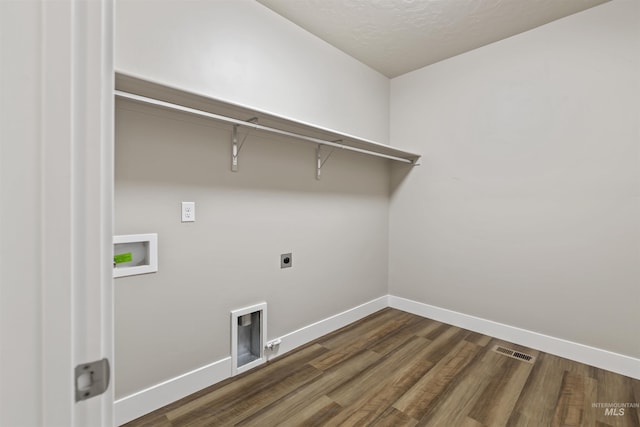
x=240 y=51
x=526 y=210
x=20 y=230
x=177 y=319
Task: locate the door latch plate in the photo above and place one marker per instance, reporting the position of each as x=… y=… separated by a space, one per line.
x=92 y=379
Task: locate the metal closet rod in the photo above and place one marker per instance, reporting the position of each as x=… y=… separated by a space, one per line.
x=197 y=112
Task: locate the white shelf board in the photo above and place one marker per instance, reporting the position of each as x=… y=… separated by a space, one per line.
x=141 y=87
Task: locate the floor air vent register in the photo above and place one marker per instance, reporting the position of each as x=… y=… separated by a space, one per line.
x=514 y=354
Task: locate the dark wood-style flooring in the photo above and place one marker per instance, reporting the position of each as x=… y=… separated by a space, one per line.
x=397 y=369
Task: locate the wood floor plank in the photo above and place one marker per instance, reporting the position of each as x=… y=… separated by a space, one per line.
x=393 y=418
x=366 y=383
x=235 y=390
x=436 y=331
x=585 y=394
x=316 y=413
x=570 y=406
x=286 y=407
x=589 y=416
x=357 y=330
x=453 y=407
x=478 y=339
x=397 y=369
x=383 y=385
x=635 y=387
x=537 y=401
x=501 y=392
x=155 y=421
x=615 y=389
x=422 y=396
x=233 y=410
x=418 y=327
x=362 y=341
x=470 y=422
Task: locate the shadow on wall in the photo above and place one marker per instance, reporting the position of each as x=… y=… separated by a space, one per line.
x=176 y=149
x=399 y=172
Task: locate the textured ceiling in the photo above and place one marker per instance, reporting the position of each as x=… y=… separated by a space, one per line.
x=398 y=36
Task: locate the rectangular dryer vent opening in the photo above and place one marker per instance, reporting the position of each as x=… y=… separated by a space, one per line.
x=248 y=337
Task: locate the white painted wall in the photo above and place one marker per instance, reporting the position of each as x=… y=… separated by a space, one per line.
x=177 y=320
x=239 y=50
x=526 y=210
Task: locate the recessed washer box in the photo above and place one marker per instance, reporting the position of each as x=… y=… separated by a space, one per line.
x=135 y=254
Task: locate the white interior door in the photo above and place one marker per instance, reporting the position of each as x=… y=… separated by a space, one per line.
x=57 y=192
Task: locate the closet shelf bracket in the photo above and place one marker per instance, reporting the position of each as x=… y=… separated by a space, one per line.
x=235 y=147
x=320 y=161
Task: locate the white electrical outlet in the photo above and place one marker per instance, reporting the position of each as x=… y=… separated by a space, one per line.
x=188 y=211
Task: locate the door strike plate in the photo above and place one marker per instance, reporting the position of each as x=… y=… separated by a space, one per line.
x=92 y=379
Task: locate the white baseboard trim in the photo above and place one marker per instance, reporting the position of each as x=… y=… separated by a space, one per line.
x=599 y=358
x=148 y=400
x=140 y=403
x=311 y=332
